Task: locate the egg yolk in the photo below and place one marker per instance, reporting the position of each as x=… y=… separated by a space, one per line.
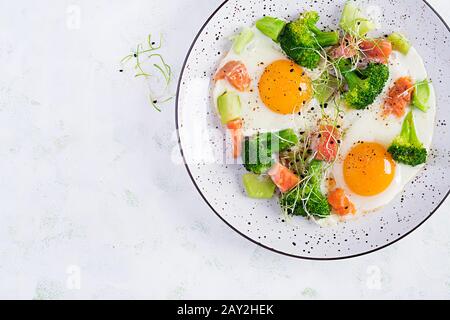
x=284 y=87
x=368 y=169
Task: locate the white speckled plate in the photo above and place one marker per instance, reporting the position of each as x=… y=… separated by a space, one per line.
x=202 y=138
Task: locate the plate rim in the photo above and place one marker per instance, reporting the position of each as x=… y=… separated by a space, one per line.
x=229 y=224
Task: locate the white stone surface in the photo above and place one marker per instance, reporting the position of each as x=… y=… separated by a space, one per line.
x=91 y=205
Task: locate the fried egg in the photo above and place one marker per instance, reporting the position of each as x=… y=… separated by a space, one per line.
x=280 y=95
x=364 y=168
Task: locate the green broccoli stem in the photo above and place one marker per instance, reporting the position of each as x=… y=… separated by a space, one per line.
x=406 y=128
x=407 y=148
x=307 y=198
x=327 y=39
x=352 y=78
x=324 y=38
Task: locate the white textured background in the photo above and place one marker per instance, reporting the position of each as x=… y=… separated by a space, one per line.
x=91 y=205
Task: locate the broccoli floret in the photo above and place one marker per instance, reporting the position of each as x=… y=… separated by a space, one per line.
x=364 y=86
x=354 y=22
x=407 y=148
x=258 y=150
x=307 y=198
x=302 y=40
